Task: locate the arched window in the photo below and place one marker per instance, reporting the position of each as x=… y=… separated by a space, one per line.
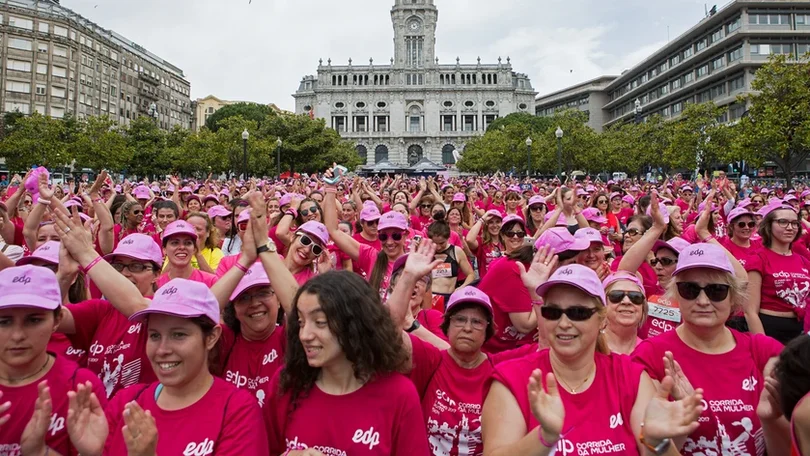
x=380 y=153
x=414 y=154
x=362 y=152
x=447 y=154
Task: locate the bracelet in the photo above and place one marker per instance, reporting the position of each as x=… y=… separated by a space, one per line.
x=44 y=202
x=542 y=440
x=92 y=264
x=707 y=238
x=240 y=267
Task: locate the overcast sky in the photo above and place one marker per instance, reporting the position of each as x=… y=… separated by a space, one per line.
x=258 y=50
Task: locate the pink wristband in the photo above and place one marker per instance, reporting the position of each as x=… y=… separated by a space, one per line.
x=542 y=440
x=92 y=264
x=240 y=267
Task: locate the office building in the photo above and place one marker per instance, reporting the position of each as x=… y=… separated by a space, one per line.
x=589 y=97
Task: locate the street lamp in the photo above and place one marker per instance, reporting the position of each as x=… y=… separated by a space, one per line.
x=278 y=158
x=637 y=110
x=559 y=134
x=245 y=136
x=529 y=156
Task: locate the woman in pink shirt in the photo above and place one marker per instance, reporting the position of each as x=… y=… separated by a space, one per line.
x=626 y=311
x=708 y=285
x=344 y=353
x=485 y=241
x=180 y=246
x=580 y=394
x=187 y=410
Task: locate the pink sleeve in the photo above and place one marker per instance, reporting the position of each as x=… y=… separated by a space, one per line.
x=410 y=433
x=208 y=278
x=690 y=234
x=425 y=359
x=765 y=348
x=648 y=357
x=239 y=434
x=366 y=257
x=755 y=263
x=224 y=265
x=511 y=294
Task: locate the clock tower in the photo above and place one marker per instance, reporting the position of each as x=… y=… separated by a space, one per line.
x=414 y=33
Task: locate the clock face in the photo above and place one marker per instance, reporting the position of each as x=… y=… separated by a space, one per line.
x=414 y=25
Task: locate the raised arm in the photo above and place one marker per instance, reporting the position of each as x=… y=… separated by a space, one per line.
x=102 y=212
x=637 y=254
x=283 y=231
x=344 y=242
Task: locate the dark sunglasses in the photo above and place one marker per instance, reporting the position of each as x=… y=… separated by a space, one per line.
x=134 y=268
x=137 y=212
x=372 y=223
x=602 y=201
x=756 y=201
x=425 y=206
x=575 y=313
x=665 y=262
x=305 y=212
x=715 y=291
x=616 y=296
x=514 y=234
x=744 y=224
x=384 y=237
x=537 y=208
x=306 y=242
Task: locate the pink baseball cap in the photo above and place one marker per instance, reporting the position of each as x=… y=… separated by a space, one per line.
x=744 y=203
x=182 y=298
x=29 y=286
x=254 y=277
x=317 y=230
x=459 y=197
x=71 y=203
x=141 y=192
x=675 y=244
x=537 y=199
x=185 y=189
x=219 y=211
x=561 y=240
x=589 y=234
x=739 y=212
x=708 y=256
x=138 y=247
x=662 y=208
x=286 y=199
x=776 y=205
x=244 y=216
x=561 y=220
x=469 y=295
x=369 y=213
x=687 y=188
x=210 y=198
x=615 y=195
x=47 y=252
x=179 y=227
x=494 y=213
x=392 y=220
x=629 y=199
x=622 y=275
x=513 y=218
x=577 y=276
x=593 y=214
x=789 y=197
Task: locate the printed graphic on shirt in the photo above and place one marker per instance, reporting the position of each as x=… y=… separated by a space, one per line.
x=118 y=373
x=203 y=448
x=793 y=288
x=566 y=447
x=722 y=443
x=460 y=438
x=294 y=444
x=513 y=334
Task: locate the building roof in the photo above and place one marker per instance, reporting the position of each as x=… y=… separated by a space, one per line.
x=575 y=88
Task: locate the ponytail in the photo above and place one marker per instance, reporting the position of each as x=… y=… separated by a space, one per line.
x=378 y=271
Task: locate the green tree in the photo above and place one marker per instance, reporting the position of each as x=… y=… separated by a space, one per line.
x=147 y=143
x=35 y=140
x=535 y=124
x=698 y=140
x=248 y=111
x=98 y=143
x=777 y=127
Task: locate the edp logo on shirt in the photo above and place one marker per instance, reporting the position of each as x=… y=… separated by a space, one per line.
x=203 y=448
x=368 y=437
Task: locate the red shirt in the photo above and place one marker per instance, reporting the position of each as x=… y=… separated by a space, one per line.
x=597 y=419
x=251 y=364
x=731 y=389
x=432 y=320
x=63 y=376
x=381 y=418
x=116 y=347
x=785 y=281
x=486 y=254
x=508 y=295
x=223 y=422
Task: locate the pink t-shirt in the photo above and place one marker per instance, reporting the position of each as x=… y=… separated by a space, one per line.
x=305 y=274
x=116 y=347
x=742 y=254
x=225 y=421
x=663 y=315
x=731 y=389
x=227 y=263
x=508 y=295
x=381 y=418
x=486 y=254
x=785 y=281
x=359 y=238
x=196 y=276
x=432 y=320
x=597 y=419
x=365 y=262
x=651 y=286
x=61 y=345
x=63 y=376
x=251 y=364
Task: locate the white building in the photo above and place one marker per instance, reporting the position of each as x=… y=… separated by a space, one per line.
x=413 y=107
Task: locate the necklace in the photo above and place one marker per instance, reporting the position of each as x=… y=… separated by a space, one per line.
x=17 y=380
x=567 y=386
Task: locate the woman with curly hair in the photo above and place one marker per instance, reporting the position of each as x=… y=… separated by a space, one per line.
x=344 y=353
x=208 y=253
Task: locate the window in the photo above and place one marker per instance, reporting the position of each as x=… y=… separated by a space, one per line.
x=733 y=25
x=736 y=84
x=114 y=55
x=59 y=31
x=718 y=90
x=59 y=51
x=687 y=53
x=414 y=79
x=717 y=63
x=717 y=35
x=735 y=55
x=380 y=153
x=40 y=108
x=414 y=48
x=18 y=65
x=701 y=45
x=24 y=108
x=676 y=84
x=59 y=71
x=72 y=34
x=43 y=48
x=703 y=71
x=677 y=107
x=664 y=67
x=21 y=44
x=447 y=122
x=57 y=112
x=41 y=89
x=381 y=123
x=58 y=92
x=339 y=123
x=688 y=77
x=488 y=119
x=769 y=19
x=469 y=122
x=414 y=123
x=361 y=123
x=19 y=87
x=20 y=22
x=802 y=19
x=42 y=68
x=675 y=60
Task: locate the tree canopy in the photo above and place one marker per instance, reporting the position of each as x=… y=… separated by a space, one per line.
x=248 y=111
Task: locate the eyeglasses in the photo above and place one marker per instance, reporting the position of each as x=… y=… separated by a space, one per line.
x=536 y=208
x=137 y=212
x=425 y=206
x=372 y=223
x=744 y=224
x=575 y=313
x=384 y=237
x=305 y=212
x=616 y=296
x=245 y=298
x=306 y=242
x=134 y=268
x=785 y=222
x=665 y=262
x=514 y=234
x=460 y=321
x=715 y=291
x=242 y=226
x=602 y=201
x=634 y=232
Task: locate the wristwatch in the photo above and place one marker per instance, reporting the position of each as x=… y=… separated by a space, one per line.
x=659 y=449
x=269 y=247
x=416 y=325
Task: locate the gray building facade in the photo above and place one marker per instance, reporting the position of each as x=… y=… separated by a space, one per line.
x=589 y=97
x=413 y=107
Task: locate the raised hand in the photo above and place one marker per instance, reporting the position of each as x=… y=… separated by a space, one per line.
x=86 y=422
x=33 y=436
x=543 y=264
x=546 y=405
x=324 y=263
x=420 y=260
x=770 y=404
x=140 y=432
x=665 y=420
x=682 y=387
x=655 y=212
x=97 y=184
x=73 y=234
x=45 y=190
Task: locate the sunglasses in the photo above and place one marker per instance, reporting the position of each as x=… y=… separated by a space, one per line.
x=616 y=296
x=245 y=298
x=425 y=206
x=536 y=208
x=372 y=223
x=744 y=224
x=384 y=237
x=514 y=234
x=665 y=262
x=785 y=222
x=756 y=202
x=715 y=291
x=305 y=212
x=633 y=232
x=575 y=313
x=137 y=212
x=134 y=268
x=306 y=242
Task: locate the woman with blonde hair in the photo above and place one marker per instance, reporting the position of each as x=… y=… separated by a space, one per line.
x=208 y=253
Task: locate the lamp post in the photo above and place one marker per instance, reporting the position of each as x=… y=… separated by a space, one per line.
x=245 y=136
x=637 y=110
x=559 y=134
x=278 y=158
x=529 y=156
x=153 y=112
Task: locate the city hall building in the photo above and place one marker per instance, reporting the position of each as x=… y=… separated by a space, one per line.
x=413 y=107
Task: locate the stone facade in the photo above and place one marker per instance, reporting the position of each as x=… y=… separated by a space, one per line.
x=413 y=106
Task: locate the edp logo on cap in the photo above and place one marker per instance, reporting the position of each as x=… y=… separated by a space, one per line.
x=128 y=242
x=169 y=291
x=469 y=293
x=45 y=248
x=566 y=271
x=697 y=252
x=23 y=279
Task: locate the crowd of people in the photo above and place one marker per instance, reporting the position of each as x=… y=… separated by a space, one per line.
x=394 y=315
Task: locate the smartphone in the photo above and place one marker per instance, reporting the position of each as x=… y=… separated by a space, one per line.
x=337 y=172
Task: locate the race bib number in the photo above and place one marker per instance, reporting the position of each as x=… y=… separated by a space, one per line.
x=443 y=270
x=664 y=312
